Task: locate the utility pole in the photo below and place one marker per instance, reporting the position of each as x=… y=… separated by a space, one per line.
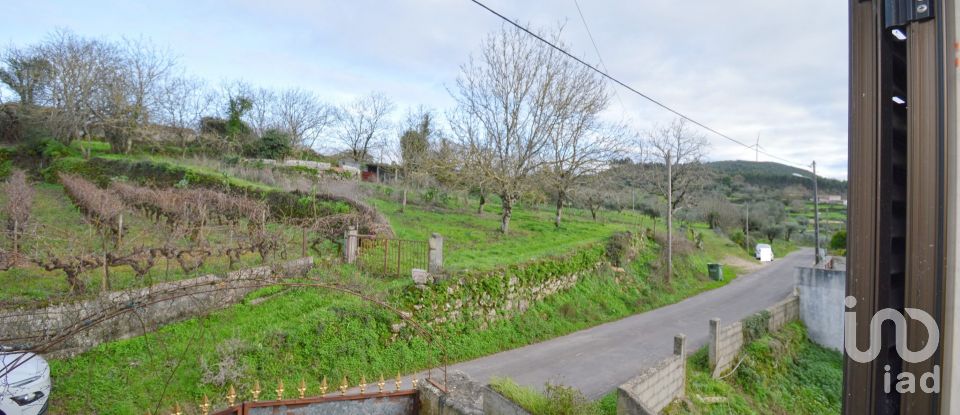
x=669 y=215
x=816 y=216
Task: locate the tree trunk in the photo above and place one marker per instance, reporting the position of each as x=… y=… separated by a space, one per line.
x=669 y=217
x=483 y=201
x=559 y=209
x=505 y=218
x=403 y=205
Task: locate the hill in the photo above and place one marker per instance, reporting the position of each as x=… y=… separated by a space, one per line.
x=770 y=174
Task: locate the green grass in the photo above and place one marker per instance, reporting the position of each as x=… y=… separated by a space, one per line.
x=310 y=334
x=781 y=372
x=556 y=400
x=473 y=241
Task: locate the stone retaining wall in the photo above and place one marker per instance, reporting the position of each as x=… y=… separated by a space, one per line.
x=137 y=310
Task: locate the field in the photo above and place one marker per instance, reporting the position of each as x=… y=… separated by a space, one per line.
x=59 y=229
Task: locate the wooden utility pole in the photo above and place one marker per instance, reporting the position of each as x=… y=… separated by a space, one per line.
x=669 y=215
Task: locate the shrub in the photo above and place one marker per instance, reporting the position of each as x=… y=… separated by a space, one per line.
x=756 y=326
x=274 y=144
x=839 y=240
x=620 y=248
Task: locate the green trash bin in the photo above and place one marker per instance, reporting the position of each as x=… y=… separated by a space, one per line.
x=715 y=271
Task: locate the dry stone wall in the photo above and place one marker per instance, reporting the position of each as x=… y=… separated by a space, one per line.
x=482 y=298
x=139 y=310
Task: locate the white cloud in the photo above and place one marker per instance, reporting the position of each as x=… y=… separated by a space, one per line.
x=748 y=67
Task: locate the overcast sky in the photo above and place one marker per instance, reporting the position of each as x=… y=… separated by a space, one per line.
x=777 y=69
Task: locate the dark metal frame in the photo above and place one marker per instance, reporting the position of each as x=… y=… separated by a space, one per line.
x=243 y=408
x=896 y=246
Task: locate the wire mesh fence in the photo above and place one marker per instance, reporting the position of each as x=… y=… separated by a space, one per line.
x=390 y=256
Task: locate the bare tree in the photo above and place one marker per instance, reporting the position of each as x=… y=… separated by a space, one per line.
x=302 y=114
x=506 y=100
x=182 y=103
x=361 y=124
x=79 y=67
x=262 y=115
x=676 y=169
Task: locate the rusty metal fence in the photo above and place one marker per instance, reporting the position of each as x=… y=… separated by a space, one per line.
x=391 y=256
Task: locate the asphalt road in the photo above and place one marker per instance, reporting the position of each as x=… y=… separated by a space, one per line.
x=599 y=359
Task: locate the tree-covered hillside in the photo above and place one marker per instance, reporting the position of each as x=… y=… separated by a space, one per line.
x=774 y=175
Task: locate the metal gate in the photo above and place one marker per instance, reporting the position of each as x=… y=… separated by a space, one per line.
x=391 y=256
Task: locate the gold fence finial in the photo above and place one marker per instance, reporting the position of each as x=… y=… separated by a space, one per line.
x=303 y=388
x=413 y=382
x=231 y=396
x=256 y=390
x=323 y=386
x=176 y=409
x=363 y=384
x=280 y=390
x=381 y=383
x=398 y=382
x=205 y=406
x=344 y=386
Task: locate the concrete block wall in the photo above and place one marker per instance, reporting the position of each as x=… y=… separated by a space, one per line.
x=784 y=312
x=724 y=346
x=165 y=303
x=822 y=294
x=656 y=387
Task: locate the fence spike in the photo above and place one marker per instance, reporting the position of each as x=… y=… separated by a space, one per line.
x=231 y=396
x=280 y=390
x=343 y=386
x=323 y=386
x=363 y=384
x=413 y=382
x=303 y=388
x=176 y=409
x=399 y=382
x=381 y=383
x=256 y=390
x=205 y=406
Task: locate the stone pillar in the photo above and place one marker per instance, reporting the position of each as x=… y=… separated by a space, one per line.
x=350 y=246
x=714 y=342
x=435 y=255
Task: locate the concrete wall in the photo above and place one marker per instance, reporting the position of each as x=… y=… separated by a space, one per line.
x=143 y=309
x=385 y=405
x=822 y=293
x=784 y=312
x=724 y=346
x=656 y=387
x=462 y=397
x=726 y=342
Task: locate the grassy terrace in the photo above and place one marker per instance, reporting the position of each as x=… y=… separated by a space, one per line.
x=473 y=241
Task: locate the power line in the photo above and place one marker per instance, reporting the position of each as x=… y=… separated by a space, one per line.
x=597 y=49
x=628 y=87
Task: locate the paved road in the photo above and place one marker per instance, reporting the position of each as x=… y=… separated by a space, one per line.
x=599 y=359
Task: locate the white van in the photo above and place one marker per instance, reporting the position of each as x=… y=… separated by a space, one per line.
x=763 y=252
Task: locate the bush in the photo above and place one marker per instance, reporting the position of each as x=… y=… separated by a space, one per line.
x=620 y=248
x=274 y=144
x=839 y=240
